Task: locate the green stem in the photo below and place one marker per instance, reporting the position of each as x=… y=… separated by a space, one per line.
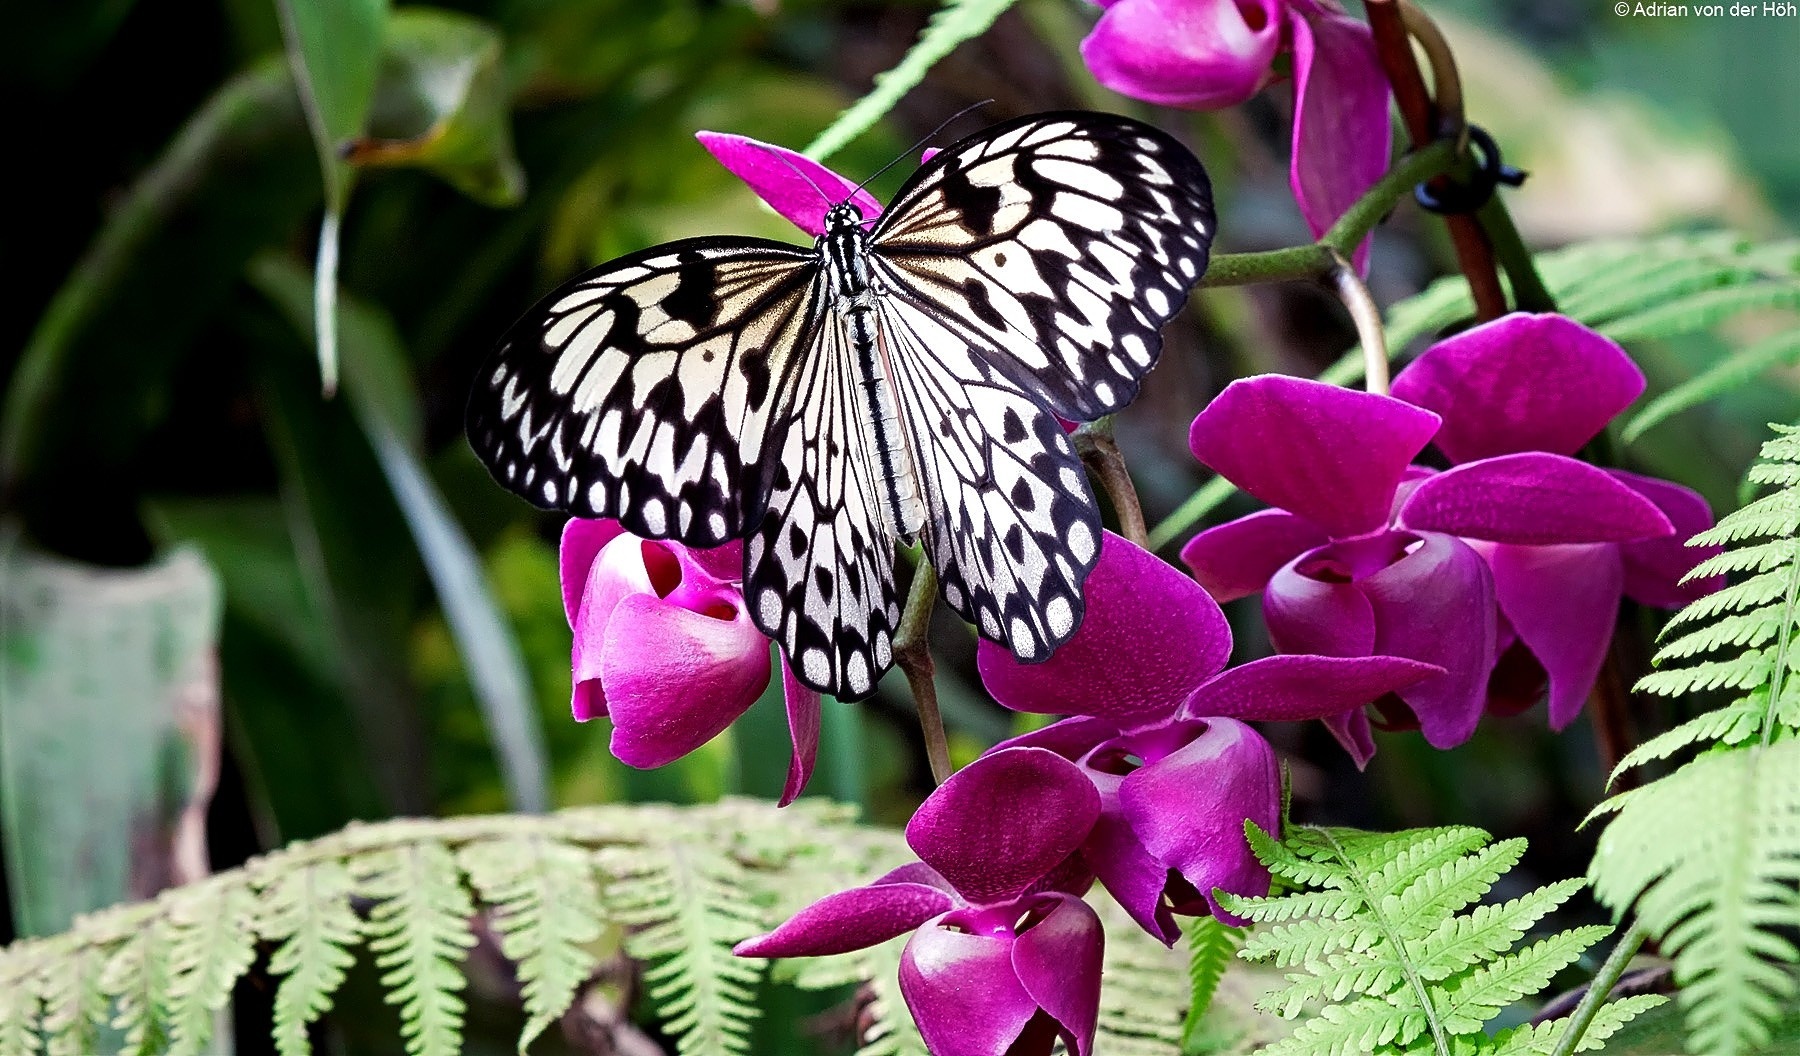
x=912 y=652
x=1528 y=289
x=1316 y=261
x=1599 y=988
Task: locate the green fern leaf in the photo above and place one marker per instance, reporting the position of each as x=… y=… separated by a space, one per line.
x=956 y=22
x=1212 y=946
x=419 y=931
x=1408 y=969
x=307 y=911
x=1539 y=1039
x=19 y=1002
x=547 y=911
x=689 y=902
x=1702 y=311
x=1733 y=371
x=211 y=942
x=136 y=978
x=75 y=1004
x=893 y=1032
x=1707 y=857
x=1144 y=1004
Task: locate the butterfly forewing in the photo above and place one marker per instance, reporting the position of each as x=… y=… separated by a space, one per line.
x=1060 y=244
x=647 y=389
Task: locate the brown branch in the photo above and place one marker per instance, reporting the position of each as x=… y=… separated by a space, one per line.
x=1474 y=254
x=1100 y=452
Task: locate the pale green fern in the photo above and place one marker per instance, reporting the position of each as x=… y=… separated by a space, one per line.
x=1376 y=938
x=1708 y=856
x=1212 y=947
x=957 y=21
x=306 y=910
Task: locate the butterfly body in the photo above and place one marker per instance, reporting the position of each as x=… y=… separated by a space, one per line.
x=898 y=383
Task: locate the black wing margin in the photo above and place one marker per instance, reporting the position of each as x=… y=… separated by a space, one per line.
x=648 y=389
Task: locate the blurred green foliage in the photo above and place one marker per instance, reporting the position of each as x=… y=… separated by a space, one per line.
x=392 y=639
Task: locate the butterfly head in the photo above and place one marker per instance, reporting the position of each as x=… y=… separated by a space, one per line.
x=844 y=216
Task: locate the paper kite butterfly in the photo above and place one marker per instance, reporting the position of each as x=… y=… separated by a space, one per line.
x=898 y=382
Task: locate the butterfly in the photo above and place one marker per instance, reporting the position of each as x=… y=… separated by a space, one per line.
x=900 y=380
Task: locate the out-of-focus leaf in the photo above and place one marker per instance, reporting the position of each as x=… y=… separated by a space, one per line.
x=51 y=44
x=957 y=21
x=360 y=564
x=109 y=730
x=334 y=47
x=293 y=734
x=386 y=408
x=93 y=378
x=442 y=105
x=1739 y=367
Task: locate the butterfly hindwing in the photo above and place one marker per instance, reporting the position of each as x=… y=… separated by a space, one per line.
x=819 y=573
x=1013 y=530
x=1059 y=244
x=647 y=389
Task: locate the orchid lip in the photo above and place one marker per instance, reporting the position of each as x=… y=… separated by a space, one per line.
x=1129 y=752
x=1009 y=920
x=1349 y=560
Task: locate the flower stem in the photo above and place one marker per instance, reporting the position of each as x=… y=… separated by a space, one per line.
x=1349 y=288
x=1315 y=261
x=1528 y=289
x=912 y=652
x=1474 y=256
x=1598 y=990
x=1098 y=448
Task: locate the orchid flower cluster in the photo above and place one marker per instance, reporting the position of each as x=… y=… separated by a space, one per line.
x=1435 y=586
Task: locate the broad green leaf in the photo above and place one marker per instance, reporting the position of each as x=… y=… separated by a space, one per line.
x=441 y=105
x=334 y=47
x=109 y=737
x=386 y=408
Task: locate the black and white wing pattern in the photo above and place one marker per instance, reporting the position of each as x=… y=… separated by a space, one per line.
x=1028 y=272
x=1058 y=245
x=819 y=574
x=648 y=389
x=718 y=389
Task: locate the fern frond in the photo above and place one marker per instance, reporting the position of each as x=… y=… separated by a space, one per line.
x=894 y=1033
x=19 y=1002
x=1407 y=970
x=1212 y=946
x=689 y=904
x=74 y=1003
x=546 y=912
x=136 y=978
x=1144 y=1004
x=212 y=941
x=419 y=932
x=1539 y=1039
x=307 y=912
x=1707 y=858
x=954 y=23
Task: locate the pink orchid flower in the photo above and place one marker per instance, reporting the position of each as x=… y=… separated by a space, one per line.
x=665 y=647
x=1209 y=54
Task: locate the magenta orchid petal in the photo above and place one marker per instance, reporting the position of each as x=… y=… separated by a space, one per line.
x=1286 y=441
x=1070 y=738
x=582 y=541
x=1343 y=136
x=850 y=920
x=616 y=571
x=676 y=678
x=1189 y=809
x=1533 y=499
x=963 y=991
x=1001 y=823
x=1057 y=960
x=803 y=728
x=1289 y=688
x=1326 y=617
x=1521 y=383
x=1562 y=601
x=1134 y=878
x=1436 y=605
x=1196 y=54
x=1654 y=567
x=770 y=172
x=1236 y=559
x=1177 y=636
x=1353 y=733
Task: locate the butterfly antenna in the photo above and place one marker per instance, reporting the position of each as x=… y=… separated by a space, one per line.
x=909 y=151
x=798 y=171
